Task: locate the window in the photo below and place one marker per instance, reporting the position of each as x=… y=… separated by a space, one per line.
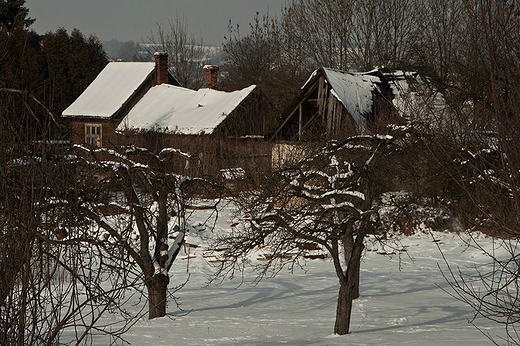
x=93 y=135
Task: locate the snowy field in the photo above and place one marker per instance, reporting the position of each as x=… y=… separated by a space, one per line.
x=402 y=302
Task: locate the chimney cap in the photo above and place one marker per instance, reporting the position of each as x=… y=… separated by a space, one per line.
x=160 y=53
x=210 y=67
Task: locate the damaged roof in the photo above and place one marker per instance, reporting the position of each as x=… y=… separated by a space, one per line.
x=353 y=90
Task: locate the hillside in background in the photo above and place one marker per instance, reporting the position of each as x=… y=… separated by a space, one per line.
x=136 y=51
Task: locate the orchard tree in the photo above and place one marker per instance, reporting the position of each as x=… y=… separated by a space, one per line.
x=132 y=201
x=85 y=233
x=488 y=169
x=51 y=290
x=333 y=198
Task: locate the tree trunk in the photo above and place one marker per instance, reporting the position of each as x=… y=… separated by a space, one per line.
x=348 y=249
x=349 y=288
x=157 y=290
x=356 y=264
x=343 y=311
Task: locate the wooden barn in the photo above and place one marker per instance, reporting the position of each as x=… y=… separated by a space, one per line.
x=335 y=104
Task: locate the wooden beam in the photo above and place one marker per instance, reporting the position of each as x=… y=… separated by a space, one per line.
x=321 y=96
x=304 y=98
x=330 y=116
x=287 y=119
x=300 y=121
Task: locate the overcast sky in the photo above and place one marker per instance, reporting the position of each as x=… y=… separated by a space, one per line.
x=127 y=20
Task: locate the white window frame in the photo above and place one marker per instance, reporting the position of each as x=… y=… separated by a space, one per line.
x=93 y=134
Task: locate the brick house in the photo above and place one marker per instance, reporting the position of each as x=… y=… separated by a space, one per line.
x=142 y=104
x=223 y=129
x=96 y=113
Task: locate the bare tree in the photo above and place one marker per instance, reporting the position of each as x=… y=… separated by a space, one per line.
x=441 y=39
x=478 y=63
x=331 y=199
x=254 y=58
x=131 y=200
x=75 y=225
x=186 y=52
x=51 y=289
x=353 y=34
x=399 y=26
x=268 y=58
x=323 y=29
x=64 y=260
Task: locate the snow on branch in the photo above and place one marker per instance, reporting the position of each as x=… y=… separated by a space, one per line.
x=174 y=250
x=166 y=153
x=172 y=151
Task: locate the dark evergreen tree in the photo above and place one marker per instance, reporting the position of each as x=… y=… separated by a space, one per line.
x=13 y=14
x=71 y=62
x=54 y=68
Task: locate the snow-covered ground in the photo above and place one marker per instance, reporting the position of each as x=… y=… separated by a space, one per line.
x=402 y=302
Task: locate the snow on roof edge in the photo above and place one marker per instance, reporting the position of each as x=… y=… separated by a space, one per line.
x=98 y=99
x=313 y=74
x=167 y=117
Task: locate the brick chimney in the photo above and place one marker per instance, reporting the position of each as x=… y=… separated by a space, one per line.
x=161 y=67
x=211 y=76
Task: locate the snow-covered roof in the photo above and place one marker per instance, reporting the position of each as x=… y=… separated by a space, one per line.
x=353 y=90
x=414 y=98
x=111 y=89
x=171 y=108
